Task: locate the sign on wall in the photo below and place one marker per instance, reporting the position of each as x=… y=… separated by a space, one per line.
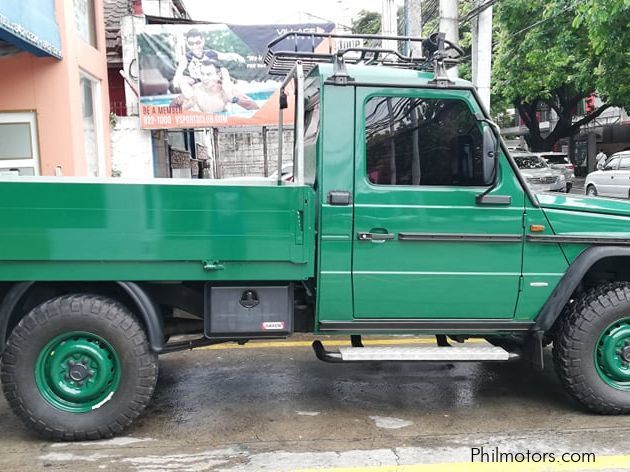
x=201 y=76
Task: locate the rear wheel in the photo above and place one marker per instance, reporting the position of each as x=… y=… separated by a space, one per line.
x=592 y=349
x=591 y=191
x=78 y=367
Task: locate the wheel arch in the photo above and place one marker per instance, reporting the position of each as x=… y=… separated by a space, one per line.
x=130 y=293
x=591 y=267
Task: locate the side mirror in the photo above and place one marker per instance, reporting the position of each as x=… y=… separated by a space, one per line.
x=490 y=155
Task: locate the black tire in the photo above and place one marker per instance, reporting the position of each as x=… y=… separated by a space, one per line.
x=591 y=191
x=575 y=342
x=96 y=315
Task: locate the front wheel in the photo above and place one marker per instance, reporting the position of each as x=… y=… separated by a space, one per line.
x=591 y=191
x=592 y=349
x=78 y=367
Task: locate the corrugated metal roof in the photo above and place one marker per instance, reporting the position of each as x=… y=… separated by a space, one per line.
x=114 y=12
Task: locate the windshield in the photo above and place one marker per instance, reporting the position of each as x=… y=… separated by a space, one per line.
x=530 y=162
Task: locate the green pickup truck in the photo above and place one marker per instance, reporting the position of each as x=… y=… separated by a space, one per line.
x=405 y=215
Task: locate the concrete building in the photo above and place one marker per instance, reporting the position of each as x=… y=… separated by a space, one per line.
x=54 y=104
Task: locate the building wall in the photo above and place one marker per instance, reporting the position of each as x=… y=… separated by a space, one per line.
x=132 y=153
x=51 y=88
x=117 y=103
x=242 y=152
x=163 y=8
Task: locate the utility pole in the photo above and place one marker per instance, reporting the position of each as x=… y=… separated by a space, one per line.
x=449 y=24
x=413 y=26
x=482 y=52
x=389 y=23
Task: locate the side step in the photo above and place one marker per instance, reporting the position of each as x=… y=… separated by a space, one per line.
x=417 y=354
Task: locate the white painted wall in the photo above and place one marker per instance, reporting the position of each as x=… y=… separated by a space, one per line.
x=132 y=154
x=162 y=8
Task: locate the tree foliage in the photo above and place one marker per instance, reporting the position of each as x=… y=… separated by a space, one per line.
x=548 y=53
x=367 y=22
x=608 y=26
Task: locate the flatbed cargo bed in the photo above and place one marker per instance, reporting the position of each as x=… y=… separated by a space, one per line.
x=161 y=229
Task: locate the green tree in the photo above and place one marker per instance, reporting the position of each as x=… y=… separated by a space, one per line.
x=607 y=24
x=367 y=22
x=547 y=54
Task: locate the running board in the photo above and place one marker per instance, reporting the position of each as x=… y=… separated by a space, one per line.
x=414 y=354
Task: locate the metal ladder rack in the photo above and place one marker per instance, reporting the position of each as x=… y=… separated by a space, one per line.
x=280 y=57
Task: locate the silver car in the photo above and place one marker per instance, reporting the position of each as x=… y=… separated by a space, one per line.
x=538 y=175
x=613 y=180
x=560 y=161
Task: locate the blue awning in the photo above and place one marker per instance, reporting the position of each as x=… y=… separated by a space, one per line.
x=31 y=26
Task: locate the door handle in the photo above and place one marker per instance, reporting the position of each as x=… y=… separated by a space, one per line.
x=375 y=236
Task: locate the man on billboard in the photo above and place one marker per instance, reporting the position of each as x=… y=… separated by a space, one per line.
x=215 y=91
x=189 y=68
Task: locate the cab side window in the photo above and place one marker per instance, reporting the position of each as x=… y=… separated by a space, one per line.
x=420 y=141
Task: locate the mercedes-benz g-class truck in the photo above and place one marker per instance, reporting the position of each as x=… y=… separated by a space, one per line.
x=405 y=215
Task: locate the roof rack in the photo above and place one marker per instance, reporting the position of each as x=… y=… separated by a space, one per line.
x=437 y=52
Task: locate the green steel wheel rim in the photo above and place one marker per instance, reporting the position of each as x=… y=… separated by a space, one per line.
x=612 y=355
x=77 y=372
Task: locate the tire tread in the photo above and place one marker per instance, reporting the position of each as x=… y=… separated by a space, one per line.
x=570 y=337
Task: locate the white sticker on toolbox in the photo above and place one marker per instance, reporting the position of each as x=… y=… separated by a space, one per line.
x=271 y=325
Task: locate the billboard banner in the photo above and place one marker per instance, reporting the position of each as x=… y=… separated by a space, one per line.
x=210 y=75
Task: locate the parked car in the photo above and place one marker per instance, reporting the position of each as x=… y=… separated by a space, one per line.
x=613 y=180
x=560 y=161
x=538 y=174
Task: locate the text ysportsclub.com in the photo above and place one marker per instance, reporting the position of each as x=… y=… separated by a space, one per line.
x=494 y=454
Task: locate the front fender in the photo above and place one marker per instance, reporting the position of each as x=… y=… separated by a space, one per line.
x=569 y=282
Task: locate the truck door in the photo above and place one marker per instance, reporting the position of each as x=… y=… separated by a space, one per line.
x=621 y=178
x=423 y=247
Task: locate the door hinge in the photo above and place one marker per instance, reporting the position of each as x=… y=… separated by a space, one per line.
x=520 y=283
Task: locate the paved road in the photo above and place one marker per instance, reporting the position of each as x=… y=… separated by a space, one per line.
x=578 y=186
x=276 y=408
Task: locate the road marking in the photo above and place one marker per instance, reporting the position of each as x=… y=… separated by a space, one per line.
x=332 y=342
x=601 y=463
x=388 y=422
